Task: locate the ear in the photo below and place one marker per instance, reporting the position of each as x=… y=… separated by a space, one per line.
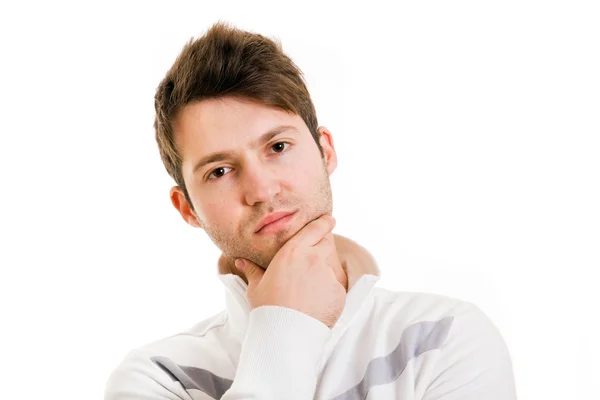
x=326 y=141
x=180 y=203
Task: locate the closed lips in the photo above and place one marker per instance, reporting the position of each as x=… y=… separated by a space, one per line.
x=272 y=218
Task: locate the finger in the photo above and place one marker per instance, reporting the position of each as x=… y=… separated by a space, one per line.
x=313 y=232
x=326 y=241
x=326 y=248
x=251 y=271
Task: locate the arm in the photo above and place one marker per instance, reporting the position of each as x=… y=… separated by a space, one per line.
x=474 y=363
x=280 y=355
x=137 y=378
x=279 y=360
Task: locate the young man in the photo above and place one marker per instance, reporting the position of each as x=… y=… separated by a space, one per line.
x=238 y=133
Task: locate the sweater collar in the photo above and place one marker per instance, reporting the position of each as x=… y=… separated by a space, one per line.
x=361 y=268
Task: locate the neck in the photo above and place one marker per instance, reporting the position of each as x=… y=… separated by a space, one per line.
x=338 y=264
x=351 y=261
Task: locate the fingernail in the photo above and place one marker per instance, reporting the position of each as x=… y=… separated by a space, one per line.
x=240 y=264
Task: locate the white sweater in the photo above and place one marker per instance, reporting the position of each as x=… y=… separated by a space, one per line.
x=386 y=345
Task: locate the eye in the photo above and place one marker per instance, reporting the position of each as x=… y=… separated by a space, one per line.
x=217 y=173
x=279 y=147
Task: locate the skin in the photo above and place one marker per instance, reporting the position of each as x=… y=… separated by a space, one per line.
x=231 y=196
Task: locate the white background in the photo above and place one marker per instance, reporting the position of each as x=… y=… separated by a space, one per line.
x=468 y=144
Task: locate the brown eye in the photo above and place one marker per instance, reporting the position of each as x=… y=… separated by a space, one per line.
x=279 y=146
x=217 y=173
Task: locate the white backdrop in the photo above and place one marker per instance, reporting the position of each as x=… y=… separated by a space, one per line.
x=468 y=141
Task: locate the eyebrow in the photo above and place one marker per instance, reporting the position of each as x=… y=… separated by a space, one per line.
x=220 y=156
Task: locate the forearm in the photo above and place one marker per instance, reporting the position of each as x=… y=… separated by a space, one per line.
x=280 y=356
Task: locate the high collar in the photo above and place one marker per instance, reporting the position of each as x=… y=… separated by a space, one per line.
x=361 y=269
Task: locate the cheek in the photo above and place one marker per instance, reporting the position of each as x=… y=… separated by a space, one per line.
x=218 y=212
x=303 y=169
x=304 y=181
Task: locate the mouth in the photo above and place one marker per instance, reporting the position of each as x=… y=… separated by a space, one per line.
x=275 y=222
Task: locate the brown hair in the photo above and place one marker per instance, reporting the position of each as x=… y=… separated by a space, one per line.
x=227 y=61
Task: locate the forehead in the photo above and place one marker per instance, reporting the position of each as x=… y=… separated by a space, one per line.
x=223 y=124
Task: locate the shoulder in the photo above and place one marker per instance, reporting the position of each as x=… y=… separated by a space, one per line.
x=462 y=321
x=469 y=353
x=419 y=306
x=150 y=371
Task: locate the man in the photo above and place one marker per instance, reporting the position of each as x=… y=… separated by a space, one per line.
x=238 y=133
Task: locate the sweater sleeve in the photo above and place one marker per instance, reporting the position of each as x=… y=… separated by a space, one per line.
x=280 y=356
x=279 y=360
x=474 y=362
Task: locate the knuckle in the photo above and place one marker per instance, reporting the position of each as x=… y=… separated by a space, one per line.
x=313 y=258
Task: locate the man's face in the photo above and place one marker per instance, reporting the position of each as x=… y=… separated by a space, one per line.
x=233 y=193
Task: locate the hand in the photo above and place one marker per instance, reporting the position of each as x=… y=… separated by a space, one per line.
x=300 y=276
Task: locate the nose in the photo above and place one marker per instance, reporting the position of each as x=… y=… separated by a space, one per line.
x=260 y=184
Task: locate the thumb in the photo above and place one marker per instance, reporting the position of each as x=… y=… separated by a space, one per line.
x=253 y=272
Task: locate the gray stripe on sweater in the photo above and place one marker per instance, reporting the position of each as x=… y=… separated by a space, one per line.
x=194 y=378
x=416 y=340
